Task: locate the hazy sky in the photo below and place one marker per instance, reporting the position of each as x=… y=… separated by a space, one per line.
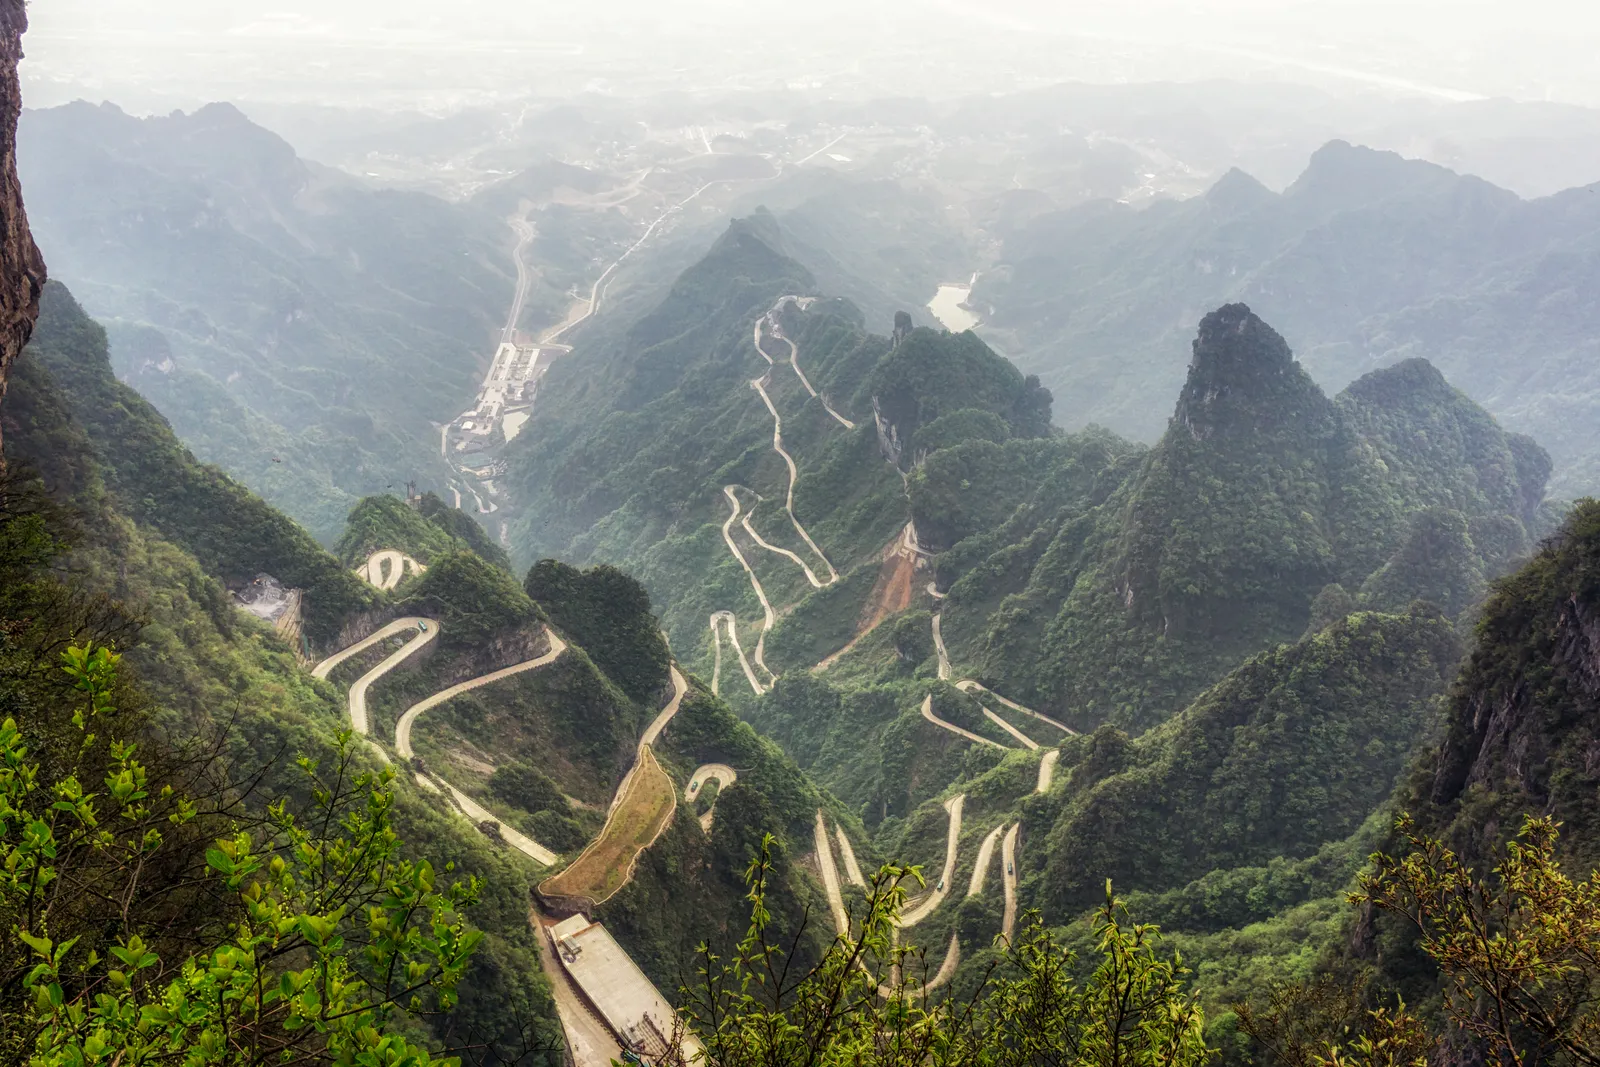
x=383 y=50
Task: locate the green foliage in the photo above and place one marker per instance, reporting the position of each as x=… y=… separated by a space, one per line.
x=560 y=832
x=912 y=634
x=965 y=424
x=1517 y=953
x=751 y=1006
x=213 y=682
x=1260 y=495
x=380 y=522
x=930 y=374
x=333 y=936
x=1525 y=663
x=608 y=613
x=425 y=532
x=566 y=719
x=705 y=731
x=1436 y=561
x=1289 y=752
x=527 y=787
x=473 y=600
x=458 y=523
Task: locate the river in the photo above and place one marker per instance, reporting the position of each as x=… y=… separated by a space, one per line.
x=946 y=307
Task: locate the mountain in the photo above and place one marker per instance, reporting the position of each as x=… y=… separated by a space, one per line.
x=1520 y=722
x=1262 y=493
x=1084 y=576
x=304 y=332
x=1366 y=259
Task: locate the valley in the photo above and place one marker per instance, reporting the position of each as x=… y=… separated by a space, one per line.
x=583 y=579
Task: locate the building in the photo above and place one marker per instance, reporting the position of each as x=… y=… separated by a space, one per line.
x=625 y=999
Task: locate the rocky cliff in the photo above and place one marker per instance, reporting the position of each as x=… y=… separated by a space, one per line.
x=21 y=266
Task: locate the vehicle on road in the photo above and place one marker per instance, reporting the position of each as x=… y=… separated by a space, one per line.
x=1010 y=870
x=940 y=887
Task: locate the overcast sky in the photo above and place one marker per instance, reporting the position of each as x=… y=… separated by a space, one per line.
x=1531 y=49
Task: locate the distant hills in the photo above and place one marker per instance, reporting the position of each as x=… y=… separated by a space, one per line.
x=1365 y=260
x=297 y=328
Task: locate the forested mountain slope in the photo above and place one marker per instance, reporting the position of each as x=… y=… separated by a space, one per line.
x=207 y=670
x=1365 y=260
x=1518 y=733
x=298 y=329
x=1263 y=495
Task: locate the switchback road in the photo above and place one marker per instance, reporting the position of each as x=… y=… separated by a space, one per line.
x=927 y=713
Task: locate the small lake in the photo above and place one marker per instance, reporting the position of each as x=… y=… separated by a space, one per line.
x=946 y=307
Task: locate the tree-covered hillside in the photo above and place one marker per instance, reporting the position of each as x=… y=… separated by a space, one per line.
x=154 y=479
x=1262 y=494
x=144 y=541
x=424 y=531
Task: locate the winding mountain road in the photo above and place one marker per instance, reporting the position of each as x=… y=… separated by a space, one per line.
x=770 y=547
x=525 y=234
x=973 y=687
x=794 y=361
x=770 y=617
x=720 y=773
x=356 y=701
x=1047 y=770
x=1026 y=741
x=759 y=385
x=597 y=291
x=680 y=686
x=830 y=877
x=927 y=713
x=372 y=570
x=479 y=815
x=939 y=649
x=851 y=868
x=970 y=686
x=732 y=625
x=402 y=728
x=427 y=632
x=928 y=904
x=1008 y=856
x=952 y=952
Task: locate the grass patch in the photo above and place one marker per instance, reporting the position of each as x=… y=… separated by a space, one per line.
x=644 y=809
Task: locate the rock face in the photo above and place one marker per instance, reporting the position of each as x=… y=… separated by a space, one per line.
x=21 y=266
x=1523 y=732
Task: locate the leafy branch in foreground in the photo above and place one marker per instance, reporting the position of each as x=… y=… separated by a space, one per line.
x=332 y=937
x=1519 y=953
x=1518 y=956
x=1035 y=1007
